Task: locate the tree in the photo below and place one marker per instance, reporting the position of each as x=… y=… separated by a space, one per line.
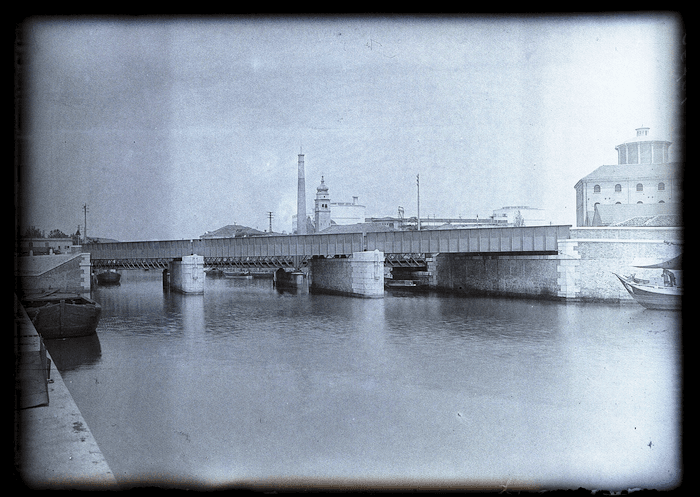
x=33 y=232
x=57 y=234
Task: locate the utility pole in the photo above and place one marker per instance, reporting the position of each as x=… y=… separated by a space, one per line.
x=418 y=185
x=269 y=215
x=85 y=211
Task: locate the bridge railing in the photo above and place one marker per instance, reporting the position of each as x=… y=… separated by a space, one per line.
x=266 y=246
x=479 y=240
x=282 y=246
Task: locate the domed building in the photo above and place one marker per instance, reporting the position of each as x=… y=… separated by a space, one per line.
x=642 y=189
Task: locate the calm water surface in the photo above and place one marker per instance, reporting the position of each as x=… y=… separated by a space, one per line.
x=245 y=385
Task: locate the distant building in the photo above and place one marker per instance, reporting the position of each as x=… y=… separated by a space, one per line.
x=519 y=215
x=232 y=231
x=390 y=223
x=347 y=212
x=368 y=227
x=45 y=246
x=642 y=189
x=431 y=223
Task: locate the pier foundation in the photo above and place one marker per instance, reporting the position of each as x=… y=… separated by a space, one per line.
x=360 y=275
x=186 y=274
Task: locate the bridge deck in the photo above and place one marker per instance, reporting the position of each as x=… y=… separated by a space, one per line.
x=283 y=251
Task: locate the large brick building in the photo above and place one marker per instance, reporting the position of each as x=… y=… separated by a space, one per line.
x=642 y=189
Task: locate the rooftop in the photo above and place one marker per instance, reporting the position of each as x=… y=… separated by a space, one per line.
x=638 y=215
x=633 y=172
x=643 y=135
x=232 y=231
x=356 y=228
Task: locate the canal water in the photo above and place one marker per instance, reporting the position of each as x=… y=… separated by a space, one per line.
x=248 y=386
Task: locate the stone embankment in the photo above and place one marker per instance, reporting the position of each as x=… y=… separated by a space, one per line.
x=54 y=448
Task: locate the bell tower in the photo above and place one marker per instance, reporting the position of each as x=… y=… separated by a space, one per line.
x=322 y=209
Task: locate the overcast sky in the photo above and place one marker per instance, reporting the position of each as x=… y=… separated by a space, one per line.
x=168 y=128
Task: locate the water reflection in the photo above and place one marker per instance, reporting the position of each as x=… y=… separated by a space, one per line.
x=72 y=353
x=245 y=383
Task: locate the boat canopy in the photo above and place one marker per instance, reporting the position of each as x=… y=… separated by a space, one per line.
x=674 y=263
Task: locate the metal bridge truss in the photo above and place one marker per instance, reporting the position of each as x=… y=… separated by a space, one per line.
x=405 y=260
x=256 y=262
x=401 y=248
x=144 y=263
x=391 y=260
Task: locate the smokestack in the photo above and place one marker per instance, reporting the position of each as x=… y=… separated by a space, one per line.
x=301 y=198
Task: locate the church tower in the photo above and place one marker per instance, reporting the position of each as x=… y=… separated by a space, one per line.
x=322 y=208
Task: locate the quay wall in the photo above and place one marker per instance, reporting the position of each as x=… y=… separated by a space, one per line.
x=581 y=271
x=592 y=255
x=54 y=447
x=65 y=273
x=512 y=275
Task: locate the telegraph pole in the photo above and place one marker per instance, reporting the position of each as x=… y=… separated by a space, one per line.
x=418 y=185
x=269 y=215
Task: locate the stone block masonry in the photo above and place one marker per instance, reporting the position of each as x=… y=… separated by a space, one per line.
x=518 y=275
x=64 y=273
x=186 y=274
x=360 y=275
x=600 y=258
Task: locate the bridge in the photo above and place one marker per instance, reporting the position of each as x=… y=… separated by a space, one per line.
x=400 y=248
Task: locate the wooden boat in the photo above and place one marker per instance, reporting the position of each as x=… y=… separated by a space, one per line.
x=653 y=296
x=62 y=315
x=110 y=277
x=214 y=273
x=239 y=274
x=391 y=283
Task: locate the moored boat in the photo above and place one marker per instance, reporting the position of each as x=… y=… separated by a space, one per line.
x=239 y=274
x=664 y=293
x=391 y=283
x=214 y=272
x=110 y=277
x=653 y=296
x=62 y=315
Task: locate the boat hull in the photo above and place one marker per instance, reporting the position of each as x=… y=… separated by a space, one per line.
x=653 y=297
x=63 y=316
x=238 y=275
x=108 y=278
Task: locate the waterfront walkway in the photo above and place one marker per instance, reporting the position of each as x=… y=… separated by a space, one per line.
x=54 y=448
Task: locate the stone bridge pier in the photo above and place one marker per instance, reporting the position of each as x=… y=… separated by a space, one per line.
x=185 y=274
x=359 y=275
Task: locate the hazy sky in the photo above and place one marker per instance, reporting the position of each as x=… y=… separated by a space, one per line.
x=167 y=128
